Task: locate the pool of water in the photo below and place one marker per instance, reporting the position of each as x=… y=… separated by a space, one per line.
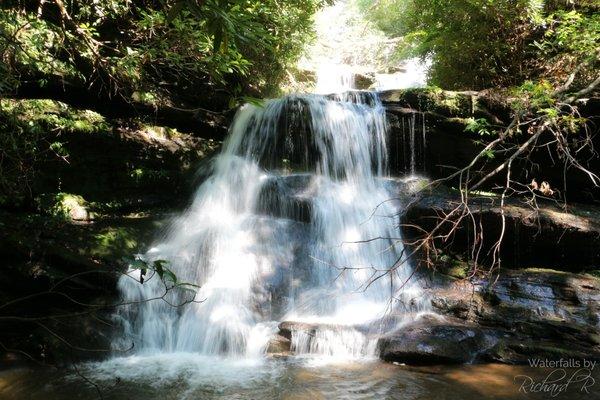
x=188 y=376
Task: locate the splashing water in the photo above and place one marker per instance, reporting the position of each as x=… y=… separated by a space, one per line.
x=295 y=223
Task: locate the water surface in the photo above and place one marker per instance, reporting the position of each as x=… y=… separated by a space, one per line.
x=188 y=376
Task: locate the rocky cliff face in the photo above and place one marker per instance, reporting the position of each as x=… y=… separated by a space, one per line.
x=512 y=317
x=441 y=142
x=543 y=235
x=542 y=303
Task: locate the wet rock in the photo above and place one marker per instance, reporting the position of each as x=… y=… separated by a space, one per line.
x=435 y=101
x=523 y=351
x=279 y=345
x=277 y=280
x=363 y=81
x=435 y=341
x=287 y=327
x=534 y=313
x=285 y=197
x=445 y=145
x=459 y=304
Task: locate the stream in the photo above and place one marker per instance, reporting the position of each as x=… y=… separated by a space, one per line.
x=186 y=376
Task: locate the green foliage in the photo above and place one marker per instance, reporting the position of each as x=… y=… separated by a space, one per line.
x=62 y=206
x=482 y=43
x=160 y=268
x=114 y=241
x=180 y=48
x=30 y=134
x=570 y=40
x=29 y=46
x=535 y=95
x=540 y=98
x=480 y=126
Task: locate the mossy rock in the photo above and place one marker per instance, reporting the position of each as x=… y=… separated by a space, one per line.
x=79 y=151
x=64 y=206
x=43 y=115
x=435 y=100
x=452 y=266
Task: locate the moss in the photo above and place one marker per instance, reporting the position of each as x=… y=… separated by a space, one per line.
x=459 y=121
x=102 y=242
x=445 y=102
x=63 y=206
x=147 y=98
x=115 y=242
x=459 y=270
x=160 y=132
x=546 y=271
x=452 y=266
x=595 y=273
x=41 y=115
x=78 y=151
x=453 y=102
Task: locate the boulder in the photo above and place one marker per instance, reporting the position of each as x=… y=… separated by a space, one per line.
x=435 y=341
x=285 y=197
x=65 y=206
x=533 y=313
x=287 y=327
x=279 y=345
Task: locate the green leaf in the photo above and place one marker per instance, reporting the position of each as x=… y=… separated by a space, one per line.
x=168 y=275
x=254 y=101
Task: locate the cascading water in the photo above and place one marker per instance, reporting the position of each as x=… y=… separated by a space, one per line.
x=295 y=223
x=408 y=143
x=334 y=78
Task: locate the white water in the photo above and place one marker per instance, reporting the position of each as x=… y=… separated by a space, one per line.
x=334 y=78
x=413 y=74
x=412 y=141
x=348 y=45
x=266 y=245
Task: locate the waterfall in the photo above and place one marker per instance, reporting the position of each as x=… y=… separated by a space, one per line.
x=334 y=78
x=294 y=223
x=408 y=144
